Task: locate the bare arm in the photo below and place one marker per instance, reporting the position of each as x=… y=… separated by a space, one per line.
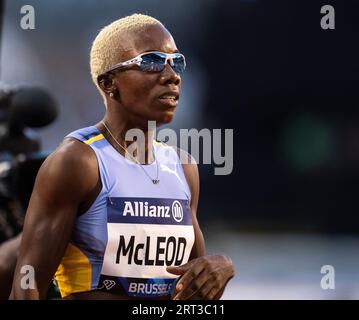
x=63 y=182
x=192 y=177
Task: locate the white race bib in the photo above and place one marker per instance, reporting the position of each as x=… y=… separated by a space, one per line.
x=145 y=235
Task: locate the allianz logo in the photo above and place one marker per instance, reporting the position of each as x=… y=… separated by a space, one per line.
x=142 y=209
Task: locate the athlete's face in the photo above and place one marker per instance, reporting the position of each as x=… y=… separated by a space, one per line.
x=142 y=93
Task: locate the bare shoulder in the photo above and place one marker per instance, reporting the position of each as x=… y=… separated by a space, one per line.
x=73 y=165
x=73 y=149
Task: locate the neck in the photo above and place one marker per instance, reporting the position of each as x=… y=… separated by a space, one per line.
x=136 y=139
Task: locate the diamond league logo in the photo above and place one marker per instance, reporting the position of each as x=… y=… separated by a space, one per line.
x=177 y=211
x=109 y=284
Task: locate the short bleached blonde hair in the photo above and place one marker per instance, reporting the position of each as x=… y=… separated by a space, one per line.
x=109 y=43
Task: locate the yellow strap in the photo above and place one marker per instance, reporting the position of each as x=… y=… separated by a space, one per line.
x=95 y=138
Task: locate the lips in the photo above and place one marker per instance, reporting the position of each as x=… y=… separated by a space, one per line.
x=169 y=98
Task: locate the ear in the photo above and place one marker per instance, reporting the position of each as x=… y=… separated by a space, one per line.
x=107 y=83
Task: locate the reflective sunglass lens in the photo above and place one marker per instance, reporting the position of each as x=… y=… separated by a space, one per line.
x=154 y=67
x=155 y=62
x=178 y=64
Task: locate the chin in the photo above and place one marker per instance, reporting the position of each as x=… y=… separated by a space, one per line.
x=164 y=118
x=167 y=117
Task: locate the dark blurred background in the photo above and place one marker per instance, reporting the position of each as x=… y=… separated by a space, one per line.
x=289 y=89
x=264 y=68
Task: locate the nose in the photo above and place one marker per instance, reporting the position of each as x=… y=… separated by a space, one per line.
x=169 y=76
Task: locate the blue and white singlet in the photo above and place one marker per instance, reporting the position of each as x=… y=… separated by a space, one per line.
x=133 y=230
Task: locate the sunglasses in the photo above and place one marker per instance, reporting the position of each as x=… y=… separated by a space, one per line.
x=153 y=61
